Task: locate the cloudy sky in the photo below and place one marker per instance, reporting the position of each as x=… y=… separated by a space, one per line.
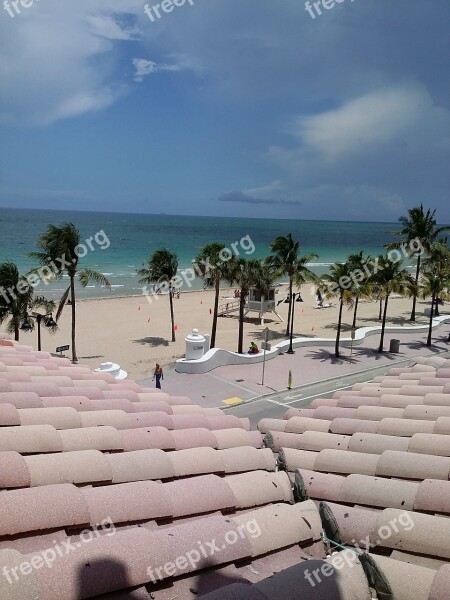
x=226 y=107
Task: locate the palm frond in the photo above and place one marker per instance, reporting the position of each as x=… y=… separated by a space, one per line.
x=62 y=304
x=90 y=275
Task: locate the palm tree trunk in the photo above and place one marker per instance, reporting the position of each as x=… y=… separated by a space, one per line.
x=355 y=311
x=436 y=307
x=72 y=299
x=338 y=334
x=16 y=329
x=413 y=310
x=172 y=319
x=430 y=327
x=383 y=325
x=380 y=312
x=288 y=328
x=241 y=321
x=216 y=310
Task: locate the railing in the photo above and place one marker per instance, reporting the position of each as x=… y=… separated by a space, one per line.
x=231 y=306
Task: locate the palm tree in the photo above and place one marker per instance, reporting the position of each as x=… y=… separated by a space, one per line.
x=17 y=300
x=161 y=268
x=58 y=251
x=213 y=269
x=361 y=282
x=285 y=260
x=438 y=259
x=422 y=227
x=391 y=278
x=336 y=283
x=245 y=273
x=435 y=282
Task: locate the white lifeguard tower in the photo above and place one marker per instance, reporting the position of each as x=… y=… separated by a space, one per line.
x=262 y=303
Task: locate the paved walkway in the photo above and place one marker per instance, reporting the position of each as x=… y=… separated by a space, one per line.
x=236 y=384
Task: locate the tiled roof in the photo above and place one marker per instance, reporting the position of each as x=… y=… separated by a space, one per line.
x=153 y=482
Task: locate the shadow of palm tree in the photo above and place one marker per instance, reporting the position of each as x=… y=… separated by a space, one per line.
x=327 y=356
x=153 y=342
x=421 y=345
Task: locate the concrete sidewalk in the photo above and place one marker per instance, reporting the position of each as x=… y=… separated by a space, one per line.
x=235 y=384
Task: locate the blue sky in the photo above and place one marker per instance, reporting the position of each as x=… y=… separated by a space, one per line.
x=227 y=107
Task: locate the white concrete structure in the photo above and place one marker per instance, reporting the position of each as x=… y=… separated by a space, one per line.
x=216 y=357
x=112 y=369
x=195 y=345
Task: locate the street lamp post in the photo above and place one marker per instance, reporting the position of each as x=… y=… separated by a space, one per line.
x=291 y=328
x=50 y=323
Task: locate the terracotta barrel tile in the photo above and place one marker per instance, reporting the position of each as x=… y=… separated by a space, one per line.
x=291 y=459
x=232 y=438
x=247 y=458
x=433 y=496
x=20 y=587
x=425 y=412
x=406 y=581
x=147 y=438
x=59 y=418
x=112 y=404
x=196 y=461
x=316 y=440
x=298 y=412
x=351 y=426
x=373 y=443
x=79 y=403
x=259 y=487
x=80 y=468
x=112 y=418
x=440 y=588
x=404 y=427
x=355 y=401
x=378 y=492
x=91 y=438
x=150 y=419
x=302 y=424
x=21 y=399
x=186 y=500
x=227 y=422
x=41 y=508
x=442 y=426
x=157 y=405
x=345 y=462
x=355 y=524
x=140 y=465
x=87 y=392
x=266 y=425
x=399 y=401
x=188 y=421
x=437 y=399
x=9 y=415
x=30 y=439
x=424 y=443
x=320 y=486
x=13 y=471
x=377 y=413
x=408 y=465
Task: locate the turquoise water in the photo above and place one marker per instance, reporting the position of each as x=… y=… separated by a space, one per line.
x=134 y=237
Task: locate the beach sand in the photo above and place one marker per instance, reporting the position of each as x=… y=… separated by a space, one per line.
x=136 y=334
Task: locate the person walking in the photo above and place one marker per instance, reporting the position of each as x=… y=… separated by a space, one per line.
x=158 y=375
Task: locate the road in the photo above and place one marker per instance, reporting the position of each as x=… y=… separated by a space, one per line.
x=275 y=405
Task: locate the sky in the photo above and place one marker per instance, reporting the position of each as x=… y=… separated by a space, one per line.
x=246 y=108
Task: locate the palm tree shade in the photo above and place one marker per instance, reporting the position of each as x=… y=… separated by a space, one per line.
x=61 y=243
x=420 y=226
x=161 y=268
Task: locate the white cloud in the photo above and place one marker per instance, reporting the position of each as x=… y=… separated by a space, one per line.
x=109 y=28
x=144 y=67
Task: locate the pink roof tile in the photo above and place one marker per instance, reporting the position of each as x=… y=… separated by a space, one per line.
x=378 y=491
x=9 y=415
x=88 y=392
x=128 y=502
x=302 y=424
x=334 y=412
x=376 y=444
x=196 y=461
x=157 y=405
x=404 y=427
x=437 y=399
x=147 y=438
x=260 y=487
x=91 y=438
x=408 y=465
x=266 y=425
x=316 y=440
x=150 y=419
x=351 y=426
x=440 y=588
x=406 y=581
x=112 y=404
x=426 y=412
x=345 y=462
x=442 y=426
x=194 y=438
x=113 y=418
x=22 y=588
x=298 y=412
x=326 y=401
x=112 y=394
x=291 y=459
x=232 y=438
x=433 y=496
x=319 y=486
x=186 y=500
x=80 y=468
x=227 y=422
x=399 y=401
x=13 y=471
x=47 y=507
x=140 y=465
x=30 y=439
x=21 y=399
x=425 y=443
x=377 y=413
x=355 y=524
x=59 y=417
x=247 y=458
x=355 y=401
x=79 y=403
x=42 y=389
x=185 y=421
x=422 y=534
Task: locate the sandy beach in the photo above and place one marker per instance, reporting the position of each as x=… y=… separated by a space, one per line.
x=136 y=334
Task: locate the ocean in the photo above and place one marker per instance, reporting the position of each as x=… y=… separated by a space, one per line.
x=133 y=237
